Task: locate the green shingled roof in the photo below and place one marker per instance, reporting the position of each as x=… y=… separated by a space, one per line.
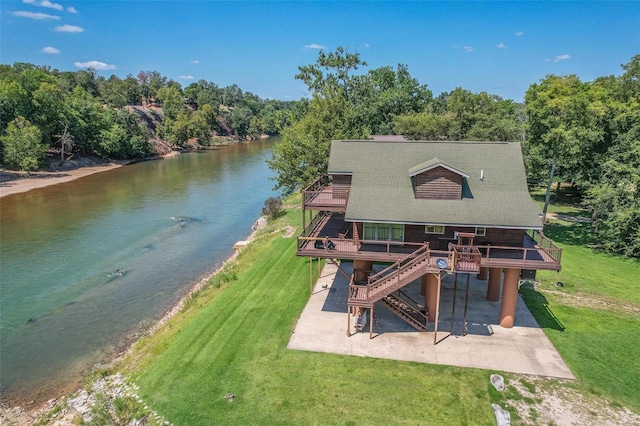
x=381 y=188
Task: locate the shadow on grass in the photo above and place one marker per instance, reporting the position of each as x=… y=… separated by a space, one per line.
x=576 y=234
x=539 y=307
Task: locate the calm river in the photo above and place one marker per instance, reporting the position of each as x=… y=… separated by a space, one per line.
x=86 y=264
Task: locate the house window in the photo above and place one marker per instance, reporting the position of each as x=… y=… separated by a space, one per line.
x=481 y=231
x=383 y=231
x=434 y=229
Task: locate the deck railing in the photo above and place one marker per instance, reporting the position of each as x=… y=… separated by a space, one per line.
x=466 y=257
x=525 y=254
x=320 y=193
x=348 y=245
x=318 y=185
x=312 y=226
x=542 y=241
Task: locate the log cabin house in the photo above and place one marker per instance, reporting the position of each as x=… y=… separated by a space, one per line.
x=426 y=208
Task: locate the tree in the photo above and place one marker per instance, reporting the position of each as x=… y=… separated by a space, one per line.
x=331 y=72
x=564 y=129
x=14 y=102
x=384 y=93
x=48 y=103
x=302 y=154
x=172 y=102
x=424 y=126
x=22 y=145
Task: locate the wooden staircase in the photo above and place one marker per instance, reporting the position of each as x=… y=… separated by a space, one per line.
x=405 y=308
x=392 y=278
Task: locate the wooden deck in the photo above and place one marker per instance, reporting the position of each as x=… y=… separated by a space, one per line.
x=324 y=199
x=319 y=195
x=320 y=239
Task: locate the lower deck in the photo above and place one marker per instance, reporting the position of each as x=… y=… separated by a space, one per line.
x=524 y=349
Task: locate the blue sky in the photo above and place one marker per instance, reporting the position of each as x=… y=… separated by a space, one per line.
x=500 y=47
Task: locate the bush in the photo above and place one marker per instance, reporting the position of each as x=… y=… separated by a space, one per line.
x=273 y=208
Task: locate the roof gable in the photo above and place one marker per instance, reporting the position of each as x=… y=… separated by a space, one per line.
x=432 y=164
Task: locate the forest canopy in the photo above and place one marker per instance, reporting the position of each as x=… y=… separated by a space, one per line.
x=44 y=110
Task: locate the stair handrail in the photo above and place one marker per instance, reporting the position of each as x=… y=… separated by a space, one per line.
x=372 y=286
x=399 y=263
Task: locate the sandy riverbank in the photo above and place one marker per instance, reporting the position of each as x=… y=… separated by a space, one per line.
x=15 y=182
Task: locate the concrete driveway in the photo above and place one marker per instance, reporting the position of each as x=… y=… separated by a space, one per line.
x=524 y=349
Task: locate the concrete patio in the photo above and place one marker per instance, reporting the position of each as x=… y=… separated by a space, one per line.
x=525 y=349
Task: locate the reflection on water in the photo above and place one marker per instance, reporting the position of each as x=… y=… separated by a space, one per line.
x=83 y=264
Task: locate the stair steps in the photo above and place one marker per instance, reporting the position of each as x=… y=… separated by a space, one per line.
x=406 y=310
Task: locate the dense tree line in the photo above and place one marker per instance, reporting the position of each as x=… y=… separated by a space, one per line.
x=588 y=133
x=584 y=133
x=385 y=100
x=462 y=115
x=43 y=109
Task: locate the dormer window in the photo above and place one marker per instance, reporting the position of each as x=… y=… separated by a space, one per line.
x=437 y=180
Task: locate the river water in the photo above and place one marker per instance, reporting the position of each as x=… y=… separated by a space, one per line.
x=86 y=264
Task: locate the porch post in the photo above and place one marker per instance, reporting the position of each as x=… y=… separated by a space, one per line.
x=431 y=297
x=493 y=288
x=371 y=324
x=310 y=275
x=437 y=313
x=509 y=297
x=482 y=276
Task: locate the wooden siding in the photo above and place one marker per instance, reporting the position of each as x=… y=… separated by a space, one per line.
x=341 y=186
x=494 y=236
x=438 y=184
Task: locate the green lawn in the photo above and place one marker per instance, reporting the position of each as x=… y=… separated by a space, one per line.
x=232 y=338
x=594 y=318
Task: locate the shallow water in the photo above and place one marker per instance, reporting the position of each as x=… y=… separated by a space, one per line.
x=85 y=264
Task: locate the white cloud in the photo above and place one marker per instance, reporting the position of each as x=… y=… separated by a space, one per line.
x=501 y=46
x=195 y=61
x=186 y=77
x=314 y=46
x=68 y=29
x=34 y=15
x=50 y=50
x=561 y=58
x=519 y=34
x=72 y=9
x=44 y=3
x=469 y=49
x=366 y=45
x=96 y=65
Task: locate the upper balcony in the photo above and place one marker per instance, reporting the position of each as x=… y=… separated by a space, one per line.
x=322 y=195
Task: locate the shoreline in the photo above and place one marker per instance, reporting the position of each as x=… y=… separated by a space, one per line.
x=17 y=182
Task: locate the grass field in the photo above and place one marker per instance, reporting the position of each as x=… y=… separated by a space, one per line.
x=593 y=318
x=232 y=336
